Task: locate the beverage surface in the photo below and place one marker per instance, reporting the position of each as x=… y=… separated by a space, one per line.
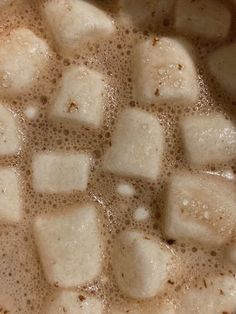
x=117 y=157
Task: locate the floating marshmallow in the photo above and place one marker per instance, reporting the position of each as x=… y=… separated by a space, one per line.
x=222 y=65
x=137 y=146
x=208 y=139
x=70 y=246
x=31 y=112
x=209 y=19
x=140 y=264
x=80 y=96
x=125 y=189
x=164 y=72
x=10 y=198
x=73 y=22
x=141 y=213
x=55 y=172
x=10 y=138
x=200 y=207
x=72 y=303
x=23 y=55
x=217 y=296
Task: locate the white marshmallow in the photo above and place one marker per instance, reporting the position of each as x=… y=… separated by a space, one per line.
x=31 y=112
x=125 y=189
x=222 y=65
x=70 y=246
x=10 y=198
x=141 y=214
x=72 y=303
x=209 y=19
x=80 y=96
x=219 y=296
x=10 y=137
x=200 y=208
x=137 y=146
x=73 y=22
x=55 y=172
x=140 y=264
x=164 y=72
x=23 y=55
x=208 y=139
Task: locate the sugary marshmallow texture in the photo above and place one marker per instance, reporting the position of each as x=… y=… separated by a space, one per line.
x=80 y=96
x=10 y=196
x=23 y=56
x=164 y=72
x=208 y=139
x=222 y=66
x=137 y=146
x=140 y=264
x=209 y=19
x=201 y=208
x=70 y=246
x=55 y=172
x=73 y=22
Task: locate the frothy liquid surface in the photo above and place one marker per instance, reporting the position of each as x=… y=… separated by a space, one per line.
x=22 y=281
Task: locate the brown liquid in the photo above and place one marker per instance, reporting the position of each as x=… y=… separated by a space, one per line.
x=21 y=275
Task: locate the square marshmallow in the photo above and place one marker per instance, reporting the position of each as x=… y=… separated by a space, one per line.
x=23 y=55
x=80 y=96
x=10 y=137
x=200 y=208
x=73 y=22
x=55 y=172
x=70 y=246
x=137 y=146
x=209 y=19
x=208 y=139
x=10 y=198
x=164 y=72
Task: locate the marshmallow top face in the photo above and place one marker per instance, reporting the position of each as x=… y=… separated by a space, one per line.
x=209 y=19
x=80 y=97
x=23 y=56
x=70 y=246
x=164 y=72
x=74 y=22
x=208 y=139
x=140 y=264
x=137 y=146
x=222 y=66
x=200 y=208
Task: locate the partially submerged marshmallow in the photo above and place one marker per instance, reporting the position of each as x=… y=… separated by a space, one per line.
x=31 y=112
x=125 y=189
x=70 y=246
x=10 y=196
x=209 y=19
x=222 y=65
x=164 y=72
x=10 y=136
x=208 y=139
x=73 y=22
x=80 y=96
x=57 y=172
x=140 y=264
x=141 y=213
x=137 y=146
x=72 y=303
x=23 y=56
x=200 y=208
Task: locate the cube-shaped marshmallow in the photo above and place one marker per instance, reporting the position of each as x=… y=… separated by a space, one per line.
x=73 y=22
x=208 y=139
x=201 y=208
x=58 y=172
x=10 y=136
x=70 y=246
x=23 y=55
x=164 y=72
x=209 y=19
x=137 y=146
x=222 y=66
x=80 y=96
x=10 y=196
x=141 y=264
